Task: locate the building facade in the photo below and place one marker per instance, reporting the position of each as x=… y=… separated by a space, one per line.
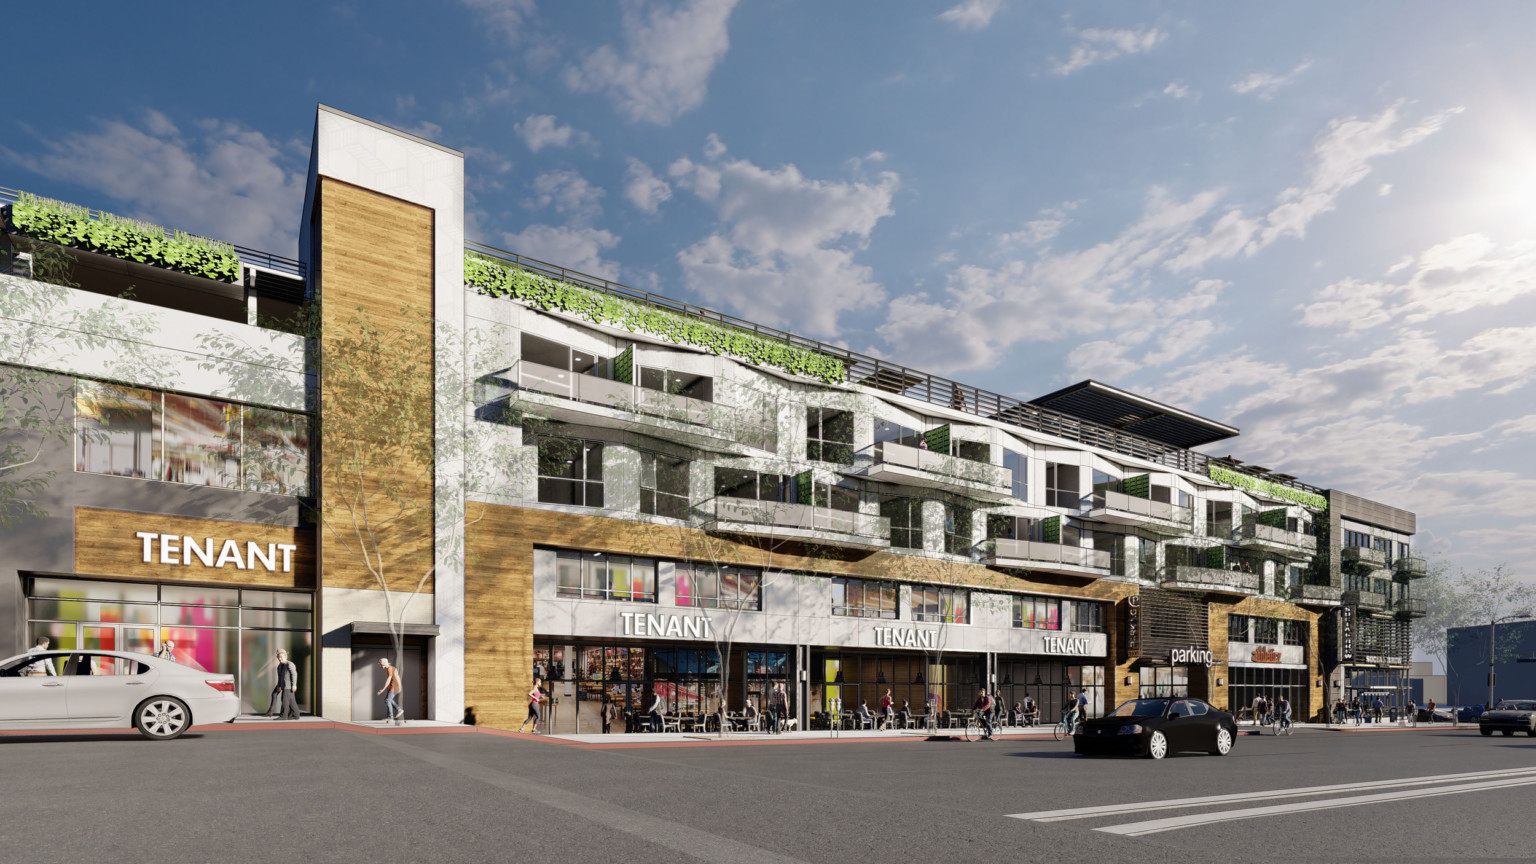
x=626 y=496
x=1512 y=648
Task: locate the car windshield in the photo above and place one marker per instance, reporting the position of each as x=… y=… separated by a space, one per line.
x=1517 y=706
x=1141 y=708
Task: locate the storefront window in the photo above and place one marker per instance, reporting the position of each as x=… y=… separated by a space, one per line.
x=1161 y=682
x=707 y=586
x=941 y=605
x=1051 y=683
x=863 y=598
x=200 y=444
x=116 y=429
x=275 y=453
x=596 y=576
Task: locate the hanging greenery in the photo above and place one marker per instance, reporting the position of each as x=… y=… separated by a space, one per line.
x=496 y=279
x=74 y=226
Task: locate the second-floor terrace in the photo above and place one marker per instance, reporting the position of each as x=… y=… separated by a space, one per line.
x=1120 y=508
x=920 y=466
x=1212 y=580
x=1059 y=558
x=1254 y=533
x=801 y=523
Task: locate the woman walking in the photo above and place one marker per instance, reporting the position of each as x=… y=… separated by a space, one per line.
x=535 y=696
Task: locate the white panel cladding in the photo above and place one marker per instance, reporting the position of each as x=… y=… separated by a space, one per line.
x=95 y=336
x=797 y=611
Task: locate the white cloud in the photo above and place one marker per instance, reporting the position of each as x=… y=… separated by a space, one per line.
x=1097 y=46
x=1462 y=274
x=508 y=16
x=1176 y=90
x=782 y=254
x=218 y=178
x=575 y=247
x=1384 y=190
x=971 y=14
x=1264 y=84
x=662 y=71
x=714 y=148
x=570 y=194
x=543 y=130
x=643 y=188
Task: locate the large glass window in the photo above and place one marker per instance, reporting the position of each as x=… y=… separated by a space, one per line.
x=957 y=529
x=598 y=576
x=863 y=598
x=1266 y=630
x=829 y=435
x=1000 y=527
x=1018 y=469
x=700 y=387
x=116 y=429
x=1237 y=628
x=663 y=485
x=1357 y=539
x=885 y=430
x=1036 y=613
x=556 y=355
x=752 y=485
x=275 y=455
x=1063 y=484
x=941 y=605
x=1084 y=616
x=200 y=444
x=719 y=587
x=1218 y=519
x=906 y=515
x=571 y=472
x=1164 y=682
x=1114 y=544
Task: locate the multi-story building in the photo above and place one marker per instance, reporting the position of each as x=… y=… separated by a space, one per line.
x=547 y=473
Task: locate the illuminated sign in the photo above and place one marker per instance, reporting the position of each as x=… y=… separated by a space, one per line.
x=1132 y=626
x=1265 y=655
x=890 y=637
x=680 y=626
x=1065 y=645
x=1191 y=657
x=181 y=549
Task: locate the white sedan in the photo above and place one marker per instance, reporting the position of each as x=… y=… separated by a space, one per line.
x=111 y=689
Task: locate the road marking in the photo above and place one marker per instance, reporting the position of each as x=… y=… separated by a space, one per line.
x=1139 y=829
x=1244 y=797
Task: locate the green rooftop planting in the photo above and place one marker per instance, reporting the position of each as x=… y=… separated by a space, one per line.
x=75 y=226
x=1266 y=487
x=495 y=279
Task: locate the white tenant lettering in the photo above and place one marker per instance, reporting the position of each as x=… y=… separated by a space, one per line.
x=1065 y=645
x=641 y=624
x=180 y=549
x=890 y=637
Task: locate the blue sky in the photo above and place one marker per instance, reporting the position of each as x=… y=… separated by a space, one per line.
x=1312 y=222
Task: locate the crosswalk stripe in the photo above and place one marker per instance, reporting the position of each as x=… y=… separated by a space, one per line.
x=1300 y=792
x=1138 y=829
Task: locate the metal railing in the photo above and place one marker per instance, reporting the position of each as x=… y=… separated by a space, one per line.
x=778 y=514
x=1108 y=499
x=1305 y=592
x=1004 y=549
x=894 y=378
x=918 y=459
x=1252 y=532
x=1363 y=555
x=1411 y=608
x=1410 y=567
x=1355 y=597
x=255 y=257
x=1212 y=576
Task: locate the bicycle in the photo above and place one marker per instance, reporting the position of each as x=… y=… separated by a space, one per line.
x=1062 y=729
x=1282 y=725
x=973 y=726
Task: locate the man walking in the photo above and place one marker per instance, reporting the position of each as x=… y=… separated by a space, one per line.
x=780 y=707
x=391 y=691
x=282 y=691
x=657 y=708
x=1378 y=708
x=41 y=667
x=1082 y=705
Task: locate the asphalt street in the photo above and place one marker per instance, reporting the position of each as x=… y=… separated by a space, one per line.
x=334 y=795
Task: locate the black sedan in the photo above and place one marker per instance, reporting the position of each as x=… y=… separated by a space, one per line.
x=1157 y=727
x=1509 y=717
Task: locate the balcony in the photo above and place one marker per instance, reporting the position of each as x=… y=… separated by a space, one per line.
x=1045 y=557
x=1370 y=559
x=816 y=525
x=1409 y=608
x=1212 y=580
x=1253 y=535
x=552 y=393
x=1161 y=517
x=1365 y=599
x=890 y=462
x=1406 y=568
x=1315 y=595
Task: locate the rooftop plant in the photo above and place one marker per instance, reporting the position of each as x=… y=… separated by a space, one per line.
x=1266 y=487
x=76 y=226
x=496 y=279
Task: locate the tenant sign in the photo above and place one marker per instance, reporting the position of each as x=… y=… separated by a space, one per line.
x=676 y=626
x=1066 y=645
x=890 y=637
x=181 y=549
x=1265 y=655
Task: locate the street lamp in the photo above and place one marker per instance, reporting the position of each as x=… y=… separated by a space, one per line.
x=1492 y=624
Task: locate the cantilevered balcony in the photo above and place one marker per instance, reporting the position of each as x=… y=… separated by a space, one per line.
x=1045 y=557
x=1365 y=599
x=1371 y=559
x=900 y=464
x=1408 y=567
x=1212 y=580
x=815 y=525
x=1293 y=544
x=553 y=393
x=1316 y=595
x=1159 y=517
x=1410 y=608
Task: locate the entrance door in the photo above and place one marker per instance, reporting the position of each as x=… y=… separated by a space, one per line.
x=368 y=678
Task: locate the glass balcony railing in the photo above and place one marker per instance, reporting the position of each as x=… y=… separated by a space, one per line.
x=1370 y=599
x=1411 y=608
x=899 y=463
x=1119 y=506
x=1002 y=552
x=771 y=517
x=1376 y=558
x=1316 y=594
x=1271 y=537
x=1408 y=567
x=1212 y=579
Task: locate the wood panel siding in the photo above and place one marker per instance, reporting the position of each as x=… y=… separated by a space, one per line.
x=1259 y=607
x=106 y=545
x=376 y=259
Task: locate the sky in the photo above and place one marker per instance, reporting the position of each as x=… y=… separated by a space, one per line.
x=1313 y=221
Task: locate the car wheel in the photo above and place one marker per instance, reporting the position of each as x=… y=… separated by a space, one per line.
x=1157 y=745
x=1487 y=733
x=1223 y=742
x=1531 y=732
x=162 y=718
x=1508 y=733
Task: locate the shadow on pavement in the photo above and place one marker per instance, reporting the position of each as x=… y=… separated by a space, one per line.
x=126 y=736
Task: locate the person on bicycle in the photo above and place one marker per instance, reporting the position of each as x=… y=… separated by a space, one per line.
x=982 y=708
x=1283 y=712
x=1070 y=715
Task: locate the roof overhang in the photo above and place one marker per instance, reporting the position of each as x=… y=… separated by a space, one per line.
x=1138 y=415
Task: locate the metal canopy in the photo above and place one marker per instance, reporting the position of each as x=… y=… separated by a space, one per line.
x=1116 y=408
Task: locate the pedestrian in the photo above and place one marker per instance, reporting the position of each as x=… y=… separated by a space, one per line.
x=167 y=651
x=1413 y=713
x=1358 y=710
x=1378 y=708
x=287 y=681
x=658 y=707
x=750 y=713
x=983 y=708
x=1430 y=707
x=610 y=713
x=780 y=707
x=1338 y=711
x=391 y=691
x=535 y=699
x=1258 y=704
x=40 y=667
x=1082 y=705
x=887 y=710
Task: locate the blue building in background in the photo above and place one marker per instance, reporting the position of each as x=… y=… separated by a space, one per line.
x=1514 y=666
